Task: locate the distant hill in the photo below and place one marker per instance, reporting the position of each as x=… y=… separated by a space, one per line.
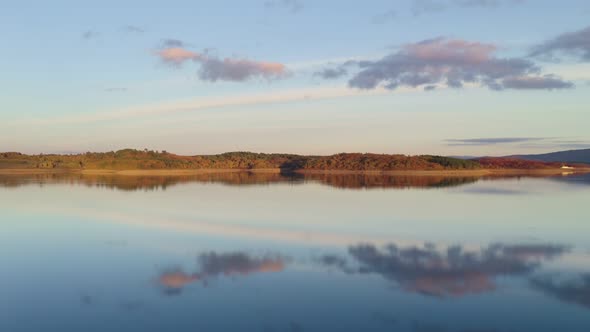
x=570 y=156
x=129 y=159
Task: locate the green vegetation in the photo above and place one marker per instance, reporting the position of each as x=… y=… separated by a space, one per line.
x=130 y=159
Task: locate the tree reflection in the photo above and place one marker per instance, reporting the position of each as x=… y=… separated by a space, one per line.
x=154 y=182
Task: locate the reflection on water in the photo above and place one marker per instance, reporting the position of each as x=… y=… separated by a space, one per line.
x=289 y=252
x=214 y=265
x=450 y=272
x=574 y=289
x=579 y=179
x=245 y=178
x=344 y=181
x=151 y=182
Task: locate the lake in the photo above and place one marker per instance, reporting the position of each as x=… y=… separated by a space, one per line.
x=279 y=252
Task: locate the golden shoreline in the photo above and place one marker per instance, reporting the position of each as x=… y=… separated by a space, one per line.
x=185 y=172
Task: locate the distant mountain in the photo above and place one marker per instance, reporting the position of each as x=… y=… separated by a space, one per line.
x=570 y=156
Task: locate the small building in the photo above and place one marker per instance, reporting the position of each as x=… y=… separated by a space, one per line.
x=566 y=167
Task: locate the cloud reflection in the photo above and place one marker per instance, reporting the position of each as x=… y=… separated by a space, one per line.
x=213 y=265
x=449 y=272
x=574 y=290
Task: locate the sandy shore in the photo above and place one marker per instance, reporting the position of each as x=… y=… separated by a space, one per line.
x=184 y=172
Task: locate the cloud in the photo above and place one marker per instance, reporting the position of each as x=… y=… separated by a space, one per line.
x=133 y=29
x=176 y=56
x=331 y=73
x=215 y=69
x=292 y=6
x=89 y=34
x=447 y=273
x=171 y=42
x=523 y=142
x=576 y=44
x=383 y=18
x=419 y=7
x=212 y=265
x=557 y=144
x=479 y=3
x=574 y=290
x=228 y=69
x=451 y=62
x=208 y=103
x=428 y=6
x=546 y=82
x=492 y=140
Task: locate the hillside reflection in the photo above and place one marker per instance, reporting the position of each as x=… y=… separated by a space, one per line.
x=246 y=178
x=146 y=183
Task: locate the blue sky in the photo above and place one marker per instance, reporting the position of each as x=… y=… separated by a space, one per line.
x=106 y=76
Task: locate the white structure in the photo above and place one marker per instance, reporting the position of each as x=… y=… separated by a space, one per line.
x=566 y=167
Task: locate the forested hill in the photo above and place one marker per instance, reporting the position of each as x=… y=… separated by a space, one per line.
x=145 y=159
x=130 y=159
x=570 y=156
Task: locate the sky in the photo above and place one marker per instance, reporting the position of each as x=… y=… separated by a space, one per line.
x=449 y=77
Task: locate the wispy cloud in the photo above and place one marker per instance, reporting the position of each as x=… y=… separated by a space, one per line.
x=419 y=7
x=89 y=34
x=292 y=6
x=545 y=82
x=172 y=42
x=493 y=140
x=523 y=142
x=207 y=103
x=428 y=6
x=575 y=44
x=385 y=17
x=557 y=145
x=133 y=29
x=331 y=73
x=452 y=63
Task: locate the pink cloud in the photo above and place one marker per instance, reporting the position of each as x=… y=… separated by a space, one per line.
x=228 y=69
x=177 y=55
x=451 y=50
x=452 y=62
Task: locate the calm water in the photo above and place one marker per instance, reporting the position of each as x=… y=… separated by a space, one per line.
x=268 y=252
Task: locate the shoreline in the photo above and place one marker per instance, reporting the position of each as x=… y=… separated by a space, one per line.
x=185 y=172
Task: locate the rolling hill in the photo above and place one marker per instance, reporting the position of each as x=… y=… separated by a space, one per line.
x=570 y=156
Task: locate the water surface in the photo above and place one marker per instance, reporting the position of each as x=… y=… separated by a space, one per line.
x=279 y=252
